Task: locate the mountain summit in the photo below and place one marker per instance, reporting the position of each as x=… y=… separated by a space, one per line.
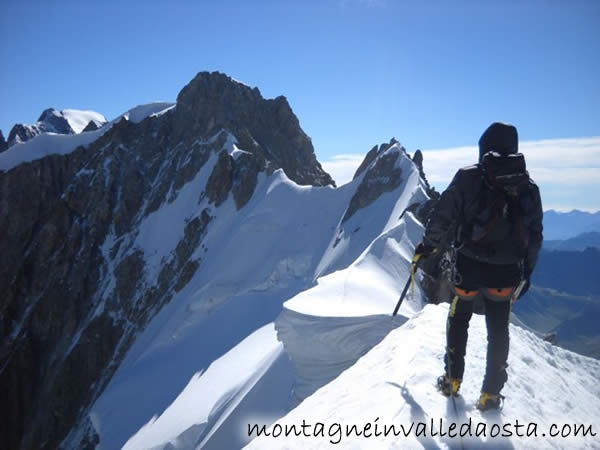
x=67 y=121
x=3 y=143
x=103 y=229
x=267 y=128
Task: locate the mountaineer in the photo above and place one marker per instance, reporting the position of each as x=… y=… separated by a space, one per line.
x=489 y=224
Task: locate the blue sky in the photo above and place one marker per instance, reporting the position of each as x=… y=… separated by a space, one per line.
x=356 y=72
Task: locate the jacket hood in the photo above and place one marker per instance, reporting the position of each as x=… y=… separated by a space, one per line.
x=499 y=137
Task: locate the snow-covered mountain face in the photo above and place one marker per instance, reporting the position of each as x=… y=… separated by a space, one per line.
x=227 y=310
x=193 y=206
x=67 y=121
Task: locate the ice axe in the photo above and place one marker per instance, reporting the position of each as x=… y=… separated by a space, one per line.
x=414 y=265
x=518 y=291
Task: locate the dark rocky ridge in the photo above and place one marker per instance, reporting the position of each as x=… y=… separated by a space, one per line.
x=385 y=177
x=267 y=128
x=371 y=155
x=91 y=126
x=48 y=122
x=69 y=226
x=3 y=143
x=55 y=122
x=382 y=177
x=20 y=133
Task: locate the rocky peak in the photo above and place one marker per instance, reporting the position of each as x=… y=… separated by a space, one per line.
x=19 y=133
x=67 y=121
x=383 y=174
x=47 y=113
x=50 y=121
x=53 y=121
x=91 y=126
x=372 y=154
x=267 y=128
x=3 y=143
x=71 y=224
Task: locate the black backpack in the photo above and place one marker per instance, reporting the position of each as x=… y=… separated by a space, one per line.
x=502 y=218
x=506 y=173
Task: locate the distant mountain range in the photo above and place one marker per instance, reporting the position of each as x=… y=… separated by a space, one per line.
x=565 y=299
x=579 y=242
x=560 y=226
x=67 y=121
x=575 y=272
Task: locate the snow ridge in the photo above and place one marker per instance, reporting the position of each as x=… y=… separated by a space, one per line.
x=394 y=384
x=186 y=345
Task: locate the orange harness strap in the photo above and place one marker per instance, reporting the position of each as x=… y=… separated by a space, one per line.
x=465 y=293
x=501 y=292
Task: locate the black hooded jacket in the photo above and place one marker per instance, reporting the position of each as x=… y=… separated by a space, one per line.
x=466 y=202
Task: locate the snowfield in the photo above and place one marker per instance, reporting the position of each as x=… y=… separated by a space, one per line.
x=79 y=119
x=262 y=371
x=549 y=390
x=257 y=258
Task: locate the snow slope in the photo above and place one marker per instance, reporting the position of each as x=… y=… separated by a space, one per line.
x=372 y=283
x=257 y=258
x=327 y=328
x=49 y=144
x=201 y=408
x=394 y=385
x=353 y=236
x=79 y=119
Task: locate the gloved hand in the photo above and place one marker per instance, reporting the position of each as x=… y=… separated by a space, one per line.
x=425 y=249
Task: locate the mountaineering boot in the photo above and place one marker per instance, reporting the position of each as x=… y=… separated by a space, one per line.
x=448 y=386
x=490 y=401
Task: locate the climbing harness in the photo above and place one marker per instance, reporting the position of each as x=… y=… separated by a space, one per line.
x=448 y=265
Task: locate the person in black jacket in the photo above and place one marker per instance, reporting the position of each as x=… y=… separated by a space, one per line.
x=492 y=234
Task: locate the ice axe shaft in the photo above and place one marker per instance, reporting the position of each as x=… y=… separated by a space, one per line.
x=518 y=291
x=404 y=291
x=414 y=267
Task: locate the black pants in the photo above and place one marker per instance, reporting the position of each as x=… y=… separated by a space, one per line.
x=497 y=312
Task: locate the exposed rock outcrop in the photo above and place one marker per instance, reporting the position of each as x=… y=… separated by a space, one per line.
x=371 y=155
x=91 y=126
x=3 y=143
x=68 y=121
x=382 y=177
x=77 y=284
x=266 y=128
x=52 y=120
x=221 y=179
x=21 y=133
x=418 y=160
